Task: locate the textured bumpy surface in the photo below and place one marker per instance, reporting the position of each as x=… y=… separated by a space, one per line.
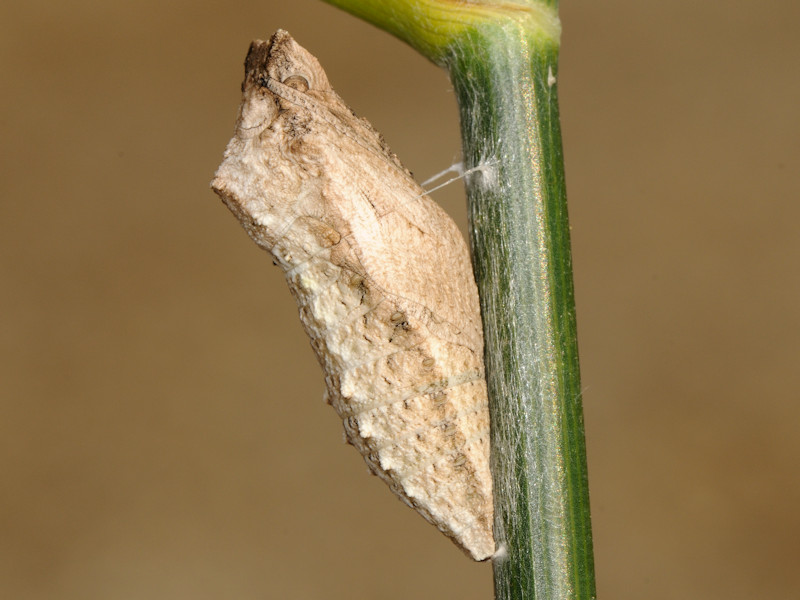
x=383 y=281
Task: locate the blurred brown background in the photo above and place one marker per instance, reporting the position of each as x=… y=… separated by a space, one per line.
x=162 y=431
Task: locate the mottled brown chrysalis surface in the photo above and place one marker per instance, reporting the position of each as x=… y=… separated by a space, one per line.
x=383 y=281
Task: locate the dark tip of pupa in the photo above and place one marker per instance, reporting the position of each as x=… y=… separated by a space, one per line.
x=255 y=65
x=261 y=53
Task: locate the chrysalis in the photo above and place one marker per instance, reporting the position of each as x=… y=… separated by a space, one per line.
x=383 y=282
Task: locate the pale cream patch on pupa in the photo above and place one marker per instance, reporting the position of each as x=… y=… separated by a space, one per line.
x=383 y=281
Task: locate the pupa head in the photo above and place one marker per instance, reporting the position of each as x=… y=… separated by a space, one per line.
x=280 y=75
x=272 y=162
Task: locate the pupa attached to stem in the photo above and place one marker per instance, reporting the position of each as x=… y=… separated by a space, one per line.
x=383 y=281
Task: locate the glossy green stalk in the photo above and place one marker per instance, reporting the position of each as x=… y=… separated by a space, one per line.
x=503 y=61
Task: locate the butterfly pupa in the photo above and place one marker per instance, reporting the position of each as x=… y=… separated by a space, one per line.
x=383 y=282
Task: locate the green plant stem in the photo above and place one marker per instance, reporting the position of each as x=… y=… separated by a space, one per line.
x=503 y=61
x=504 y=79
